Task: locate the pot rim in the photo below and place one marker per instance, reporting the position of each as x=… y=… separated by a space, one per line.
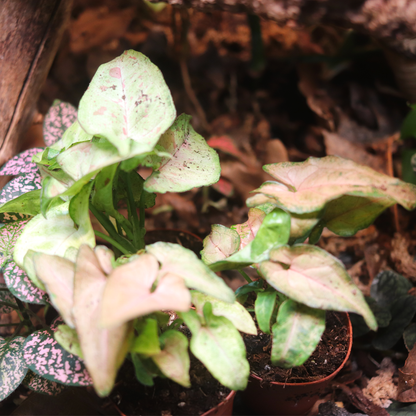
x=223 y=402
x=328 y=377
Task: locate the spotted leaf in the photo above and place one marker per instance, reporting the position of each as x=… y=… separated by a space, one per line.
x=59 y=118
x=8 y=236
x=13 y=368
x=21 y=286
x=128 y=102
x=41 y=385
x=22 y=207
x=193 y=162
x=19 y=186
x=21 y=163
x=45 y=357
x=7 y=297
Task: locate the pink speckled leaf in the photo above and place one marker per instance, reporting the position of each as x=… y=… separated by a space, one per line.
x=41 y=385
x=45 y=357
x=8 y=236
x=128 y=102
x=20 y=185
x=248 y=230
x=59 y=117
x=21 y=163
x=193 y=162
x=6 y=296
x=21 y=286
x=12 y=365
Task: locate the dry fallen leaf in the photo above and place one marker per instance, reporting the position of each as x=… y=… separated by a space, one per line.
x=403 y=260
x=406 y=391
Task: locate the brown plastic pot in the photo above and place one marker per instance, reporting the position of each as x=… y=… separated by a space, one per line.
x=225 y=408
x=289 y=398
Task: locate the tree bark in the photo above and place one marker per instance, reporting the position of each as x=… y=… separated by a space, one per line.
x=30 y=32
x=393 y=22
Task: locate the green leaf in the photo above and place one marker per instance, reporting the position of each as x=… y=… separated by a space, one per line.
x=304 y=187
x=182 y=262
x=221 y=243
x=79 y=206
x=409 y=124
x=388 y=286
x=296 y=334
x=41 y=385
x=27 y=204
x=402 y=311
x=173 y=361
x=143 y=374
x=67 y=338
x=219 y=346
x=128 y=294
x=13 y=368
x=103 y=349
x=234 y=312
x=127 y=101
x=147 y=342
x=301 y=225
x=310 y=275
x=264 y=307
x=45 y=357
x=273 y=232
x=57 y=275
x=73 y=135
x=193 y=162
x=408 y=165
x=55 y=234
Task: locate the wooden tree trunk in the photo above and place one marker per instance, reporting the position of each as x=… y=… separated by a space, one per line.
x=30 y=32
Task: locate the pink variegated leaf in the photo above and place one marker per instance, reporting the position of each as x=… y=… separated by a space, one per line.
x=8 y=236
x=21 y=286
x=225 y=144
x=224 y=187
x=21 y=163
x=41 y=385
x=45 y=357
x=59 y=117
x=13 y=368
x=20 y=185
x=6 y=296
x=248 y=230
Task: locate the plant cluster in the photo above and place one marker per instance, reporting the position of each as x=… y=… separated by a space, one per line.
x=132 y=300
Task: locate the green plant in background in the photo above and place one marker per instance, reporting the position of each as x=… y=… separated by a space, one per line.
x=298 y=280
x=111 y=301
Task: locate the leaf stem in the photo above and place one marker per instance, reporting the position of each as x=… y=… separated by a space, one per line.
x=16 y=324
x=133 y=213
x=112 y=242
x=245 y=275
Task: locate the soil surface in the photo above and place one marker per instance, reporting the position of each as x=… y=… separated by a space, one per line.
x=166 y=397
x=327 y=357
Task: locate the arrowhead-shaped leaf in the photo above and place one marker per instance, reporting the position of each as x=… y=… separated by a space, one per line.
x=103 y=349
x=235 y=312
x=221 y=243
x=303 y=187
x=128 y=294
x=12 y=365
x=173 y=361
x=310 y=275
x=296 y=334
x=193 y=162
x=248 y=230
x=21 y=286
x=127 y=100
x=42 y=385
x=182 y=262
x=219 y=346
x=57 y=274
x=45 y=357
x=18 y=186
x=59 y=117
x=21 y=163
x=55 y=234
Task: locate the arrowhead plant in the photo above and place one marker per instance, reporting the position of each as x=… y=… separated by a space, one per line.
x=115 y=301
x=299 y=281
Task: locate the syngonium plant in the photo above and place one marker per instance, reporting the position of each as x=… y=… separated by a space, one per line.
x=299 y=281
x=112 y=303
